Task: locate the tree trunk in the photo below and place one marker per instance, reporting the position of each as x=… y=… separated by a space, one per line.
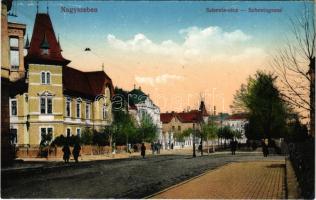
x=312 y=96
x=201 y=146
x=111 y=149
x=208 y=147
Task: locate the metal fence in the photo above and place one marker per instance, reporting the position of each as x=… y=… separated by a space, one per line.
x=302 y=156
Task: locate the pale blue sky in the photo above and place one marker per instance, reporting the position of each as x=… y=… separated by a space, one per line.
x=140 y=43
x=160 y=20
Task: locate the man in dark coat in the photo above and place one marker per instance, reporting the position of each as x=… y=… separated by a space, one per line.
x=143 y=150
x=66 y=151
x=76 y=151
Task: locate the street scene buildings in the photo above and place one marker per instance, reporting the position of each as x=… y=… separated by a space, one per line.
x=157 y=100
x=47 y=96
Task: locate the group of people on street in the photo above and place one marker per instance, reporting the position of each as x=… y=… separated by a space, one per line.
x=155 y=147
x=75 y=152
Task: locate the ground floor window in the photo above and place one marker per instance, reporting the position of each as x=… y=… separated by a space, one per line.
x=13 y=136
x=46 y=135
x=13 y=107
x=78 y=132
x=68 y=132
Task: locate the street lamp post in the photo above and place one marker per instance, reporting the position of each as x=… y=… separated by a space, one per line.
x=194 y=140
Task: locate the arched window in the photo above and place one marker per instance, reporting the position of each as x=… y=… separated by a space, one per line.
x=68 y=107
x=46 y=103
x=104 y=111
x=78 y=108
x=45 y=77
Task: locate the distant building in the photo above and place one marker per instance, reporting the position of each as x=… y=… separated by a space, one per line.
x=218 y=119
x=175 y=123
x=237 y=122
x=141 y=105
x=49 y=97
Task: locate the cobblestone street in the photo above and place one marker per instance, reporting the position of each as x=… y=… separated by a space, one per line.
x=139 y=178
x=244 y=180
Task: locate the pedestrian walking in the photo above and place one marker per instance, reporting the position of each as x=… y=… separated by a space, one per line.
x=264 y=148
x=266 y=142
x=159 y=147
x=76 y=151
x=66 y=151
x=233 y=146
x=152 y=148
x=135 y=148
x=143 y=150
x=200 y=148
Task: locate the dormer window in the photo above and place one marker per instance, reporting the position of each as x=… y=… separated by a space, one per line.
x=45 y=46
x=44 y=51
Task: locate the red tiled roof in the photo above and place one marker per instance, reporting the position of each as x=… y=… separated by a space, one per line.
x=238 y=116
x=43 y=28
x=190 y=117
x=166 y=117
x=184 y=117
x=88 y=84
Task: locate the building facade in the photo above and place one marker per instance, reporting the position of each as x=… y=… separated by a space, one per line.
x=49 y=97
x=11 y=53
x=237 y=122
x=140 y=105
x=175 y=123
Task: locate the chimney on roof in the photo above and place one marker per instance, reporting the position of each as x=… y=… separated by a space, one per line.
x=140 y=88
x=214 y=110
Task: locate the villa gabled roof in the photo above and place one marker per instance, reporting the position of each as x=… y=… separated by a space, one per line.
x=193 y=116
x=166 y=117
x=238 y=116
x=87 y=84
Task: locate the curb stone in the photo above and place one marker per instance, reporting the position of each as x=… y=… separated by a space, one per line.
x=292 y=190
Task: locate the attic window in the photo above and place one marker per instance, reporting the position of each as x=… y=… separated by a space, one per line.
x=45 y=46
x=45 y=52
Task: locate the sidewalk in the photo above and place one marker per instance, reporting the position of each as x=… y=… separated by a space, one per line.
x=28 y=163
x=241 y=180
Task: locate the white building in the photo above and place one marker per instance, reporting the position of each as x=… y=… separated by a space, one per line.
x=237 y=123
x=140 y=105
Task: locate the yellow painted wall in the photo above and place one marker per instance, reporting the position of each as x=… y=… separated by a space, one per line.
x=31 y=106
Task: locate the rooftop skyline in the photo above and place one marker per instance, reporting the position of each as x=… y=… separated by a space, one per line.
x=176 y=51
